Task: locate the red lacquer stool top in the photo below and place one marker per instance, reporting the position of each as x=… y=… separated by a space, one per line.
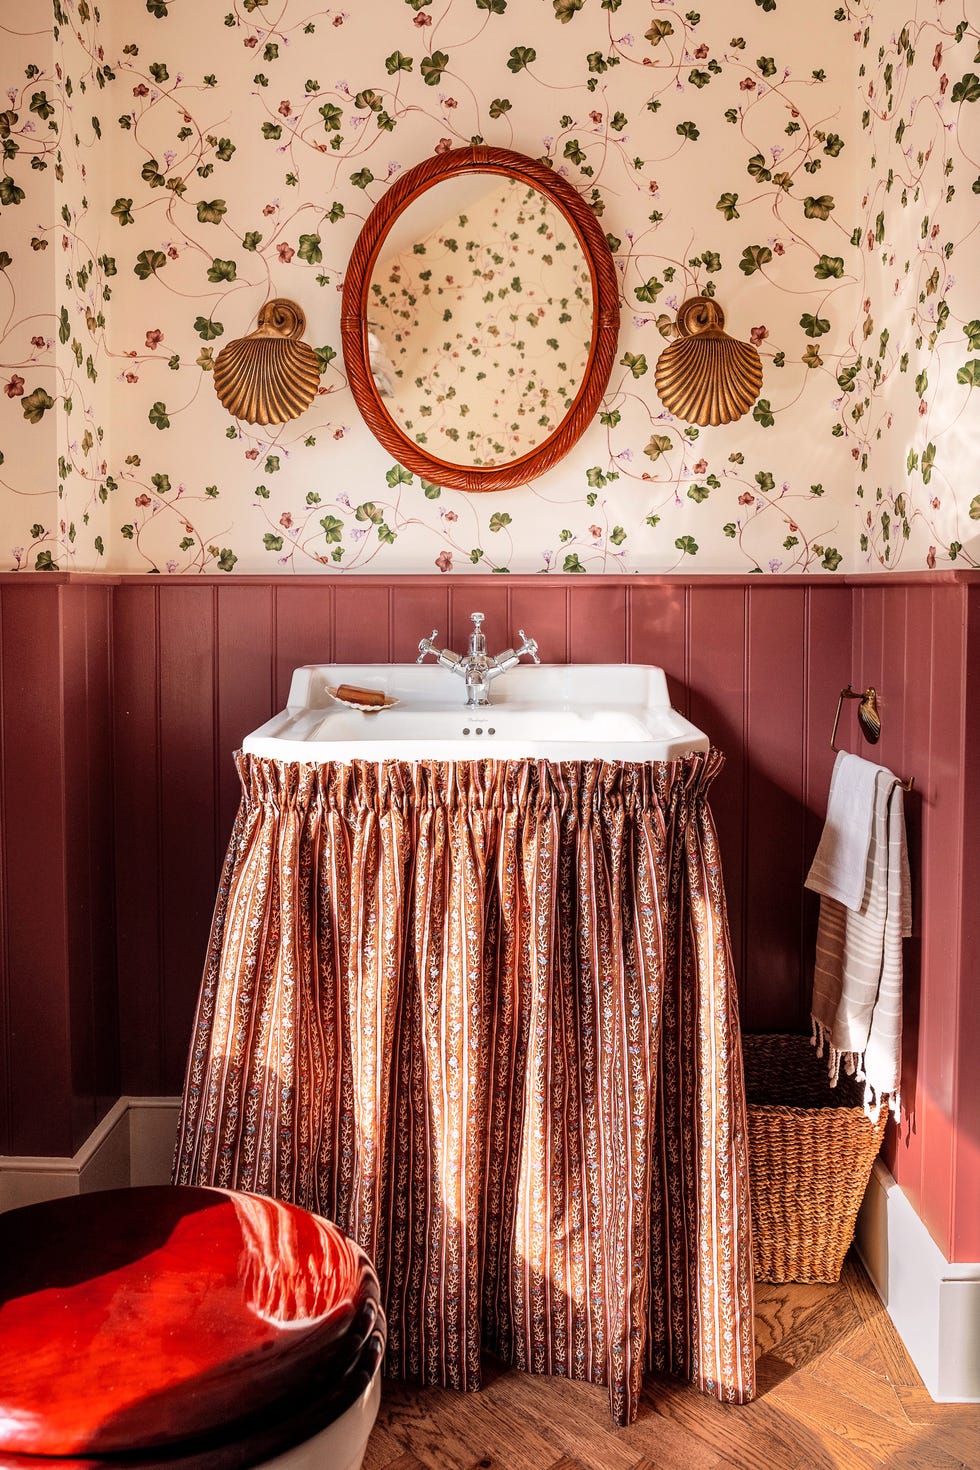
x=135 y=1319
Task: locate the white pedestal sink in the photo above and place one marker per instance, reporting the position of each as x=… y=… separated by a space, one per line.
x=555 y=712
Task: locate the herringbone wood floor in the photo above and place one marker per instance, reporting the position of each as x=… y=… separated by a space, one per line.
x=837 y=1391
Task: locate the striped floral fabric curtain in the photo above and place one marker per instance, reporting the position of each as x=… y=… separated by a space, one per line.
x=482 y=1015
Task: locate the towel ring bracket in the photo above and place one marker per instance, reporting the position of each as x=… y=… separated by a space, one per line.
x=868 y=718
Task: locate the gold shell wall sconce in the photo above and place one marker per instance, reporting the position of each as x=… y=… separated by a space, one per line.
x=704 y=376
x=270 y=376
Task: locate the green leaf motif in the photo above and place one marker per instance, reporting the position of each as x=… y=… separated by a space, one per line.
x=148 y=262
x=158 y=416
x=398 y=475
x=687 y=544
x=649 y=291
x=698 y=493
x=226 y=560
x=572 y=563
x=271 y=542
x=36 y=405
x=44 y=562
x=972 y=333
x=430 y=491
x=251 y=239
x=967 y=89
x=831 y=559
x=727 y=204
x=975 y=508
x=396 y=62
x=332 y=116
x=814 y=326
x=969 y=373
x=211 y=211
x=762 y=413
x=309 y=249
x=829 y=267
x=499 y=106
x=659 y=444
x=565 y=9
x=766 y=65
x=222 y=270
x=10 y=193
x=765 y=481
x=121 y=210
x=521 y=57
x=617 y=535
x=362 y=178
x=332 y=528
x=811 y=357
x=495 y=7
x=818 y=208
x=754 y=257
x=658 y=30
x=433 y=67
x=688 y=130
x=928 y=460
x=757 y=168
x=499 y=520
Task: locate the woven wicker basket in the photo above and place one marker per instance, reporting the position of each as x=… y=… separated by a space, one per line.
x=810 y=1154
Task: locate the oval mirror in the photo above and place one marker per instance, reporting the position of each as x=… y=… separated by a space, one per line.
x=479 y=319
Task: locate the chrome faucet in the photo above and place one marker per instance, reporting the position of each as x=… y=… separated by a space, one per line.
x=477 y=667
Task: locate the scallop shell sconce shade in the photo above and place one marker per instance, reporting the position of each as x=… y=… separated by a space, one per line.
x=269 y=376
x=704 y=376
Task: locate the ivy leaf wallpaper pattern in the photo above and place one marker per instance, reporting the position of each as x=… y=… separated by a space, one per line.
x=167 y=167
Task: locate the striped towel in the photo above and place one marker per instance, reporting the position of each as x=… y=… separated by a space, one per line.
x=857 y=981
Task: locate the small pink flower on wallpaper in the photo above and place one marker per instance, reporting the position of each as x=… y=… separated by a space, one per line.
x=444 y=561
x=595 y=531
x=937 y=57
x=701 y=52
x=758 y=334
x=444 y=145
x=250 y=41
x=131 y=377
x=286 y=253
x=251 y=454
x=423 y=20
x=285 y=107
x=747 y=84
x=700 y=466
x=143 y=500
x=153 y=338
x=38 y=342
x=141 y=91
x=450 y=515
x=746 y=498
x=15 y=388
x=269 y=209
x=931 y=558
x=286 y=519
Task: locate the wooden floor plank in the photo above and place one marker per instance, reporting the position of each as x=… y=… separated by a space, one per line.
x=837 y=1391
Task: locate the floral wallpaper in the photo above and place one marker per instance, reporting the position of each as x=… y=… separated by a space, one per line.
x=169 y=166
x=484 y=323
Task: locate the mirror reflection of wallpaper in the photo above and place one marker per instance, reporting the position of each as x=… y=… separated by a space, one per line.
x=484 y=325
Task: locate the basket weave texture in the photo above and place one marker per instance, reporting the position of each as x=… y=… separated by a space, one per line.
x=811 y=1148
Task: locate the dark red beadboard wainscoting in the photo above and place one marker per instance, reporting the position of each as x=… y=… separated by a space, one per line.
x=124 y=698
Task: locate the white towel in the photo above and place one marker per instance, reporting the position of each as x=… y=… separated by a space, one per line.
x=840 y=863
x=857 y=981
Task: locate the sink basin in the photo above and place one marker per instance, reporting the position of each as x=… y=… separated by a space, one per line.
x=550 y=712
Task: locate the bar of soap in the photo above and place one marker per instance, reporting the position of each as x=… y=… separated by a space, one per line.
x=351 y=694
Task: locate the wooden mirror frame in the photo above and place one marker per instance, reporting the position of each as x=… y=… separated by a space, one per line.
x=355 y=307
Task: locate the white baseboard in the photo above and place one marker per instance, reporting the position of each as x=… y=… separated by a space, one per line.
x=134 y=1144
x=934 y=1304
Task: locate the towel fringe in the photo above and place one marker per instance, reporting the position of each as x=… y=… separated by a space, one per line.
x=853 y=1063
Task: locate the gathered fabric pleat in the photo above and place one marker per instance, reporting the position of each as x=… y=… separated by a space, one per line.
x=482 y=1015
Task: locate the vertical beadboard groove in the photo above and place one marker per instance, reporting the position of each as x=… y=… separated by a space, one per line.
x=158 y=786
x=6 y=1097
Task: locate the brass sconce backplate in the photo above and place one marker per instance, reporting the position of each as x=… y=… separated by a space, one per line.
x=269 y=376
x=704 y=376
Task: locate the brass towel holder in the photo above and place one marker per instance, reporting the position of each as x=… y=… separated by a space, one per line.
x=868 y=718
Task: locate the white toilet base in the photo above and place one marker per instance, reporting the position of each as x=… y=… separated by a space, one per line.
x=342 y=1444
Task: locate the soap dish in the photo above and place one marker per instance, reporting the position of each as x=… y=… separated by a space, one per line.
x=367 y=709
